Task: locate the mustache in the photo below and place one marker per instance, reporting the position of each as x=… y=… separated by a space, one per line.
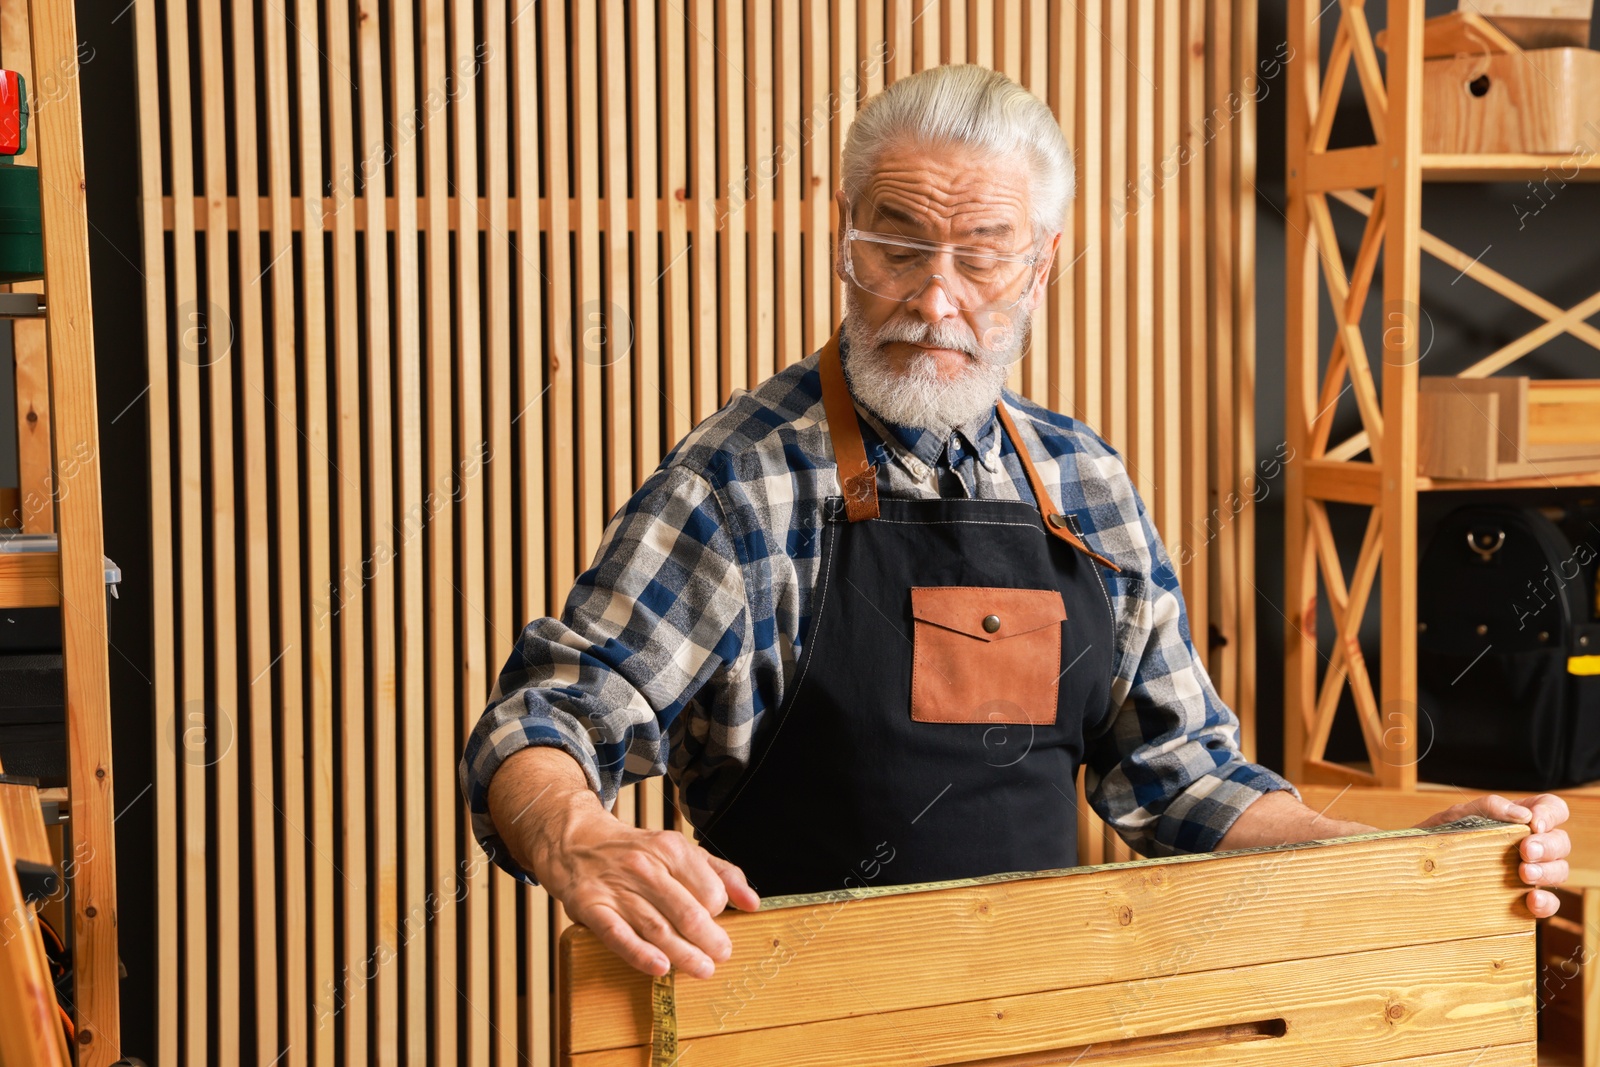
x=955 y=334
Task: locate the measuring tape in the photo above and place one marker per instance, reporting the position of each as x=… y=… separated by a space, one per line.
x=663 y=996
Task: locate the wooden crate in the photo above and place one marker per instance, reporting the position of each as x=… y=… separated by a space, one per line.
x=1540 y=23
x=1493 y=428
x=1539 y=100
x=1424 y=953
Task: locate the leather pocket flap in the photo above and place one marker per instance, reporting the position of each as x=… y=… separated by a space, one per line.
x=987 y=613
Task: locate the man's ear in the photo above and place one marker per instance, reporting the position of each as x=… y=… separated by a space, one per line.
x=1041 y=271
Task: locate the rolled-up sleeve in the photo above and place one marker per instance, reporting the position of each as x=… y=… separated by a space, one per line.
x=1165 y=770
x=660 y=614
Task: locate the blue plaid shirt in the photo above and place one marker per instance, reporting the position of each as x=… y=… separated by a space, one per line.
x=688 y=625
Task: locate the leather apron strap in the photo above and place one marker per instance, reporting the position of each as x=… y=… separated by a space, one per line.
x=859 y=479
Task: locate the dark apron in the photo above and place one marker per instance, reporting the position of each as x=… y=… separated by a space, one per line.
x=958 y=650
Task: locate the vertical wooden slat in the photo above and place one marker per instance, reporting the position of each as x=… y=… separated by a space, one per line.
x=414 y=908
x=1168 y=412
x=614 y=351
x=329 y=995
x=292 y=663
x=1034 y=34
x=874 y=52
x=162 y=682
x=1089 y=218
x=530 y=425
x=351 y=598
x=498 y=599
x=818 y=178
x=898 y=37
x=844 y=79
x=1194 y=548
x=703 y=254
x=445 y=843
x=191 y=316
x=470 y=449
x=1139 y=228
x=591 y=324
x=1222 y=661
x=1063 y=83
x=760 y=185
x=217 y=360
x=953 y=31
x=677 y=266
x=1243 y=471
x=980 y=32
x=258 y=700
x=378 y=563
x=733 y=223
x=1115 y=227
x=646 y=166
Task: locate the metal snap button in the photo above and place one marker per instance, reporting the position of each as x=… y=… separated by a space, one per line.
x=991 y=623
x=1058 y=520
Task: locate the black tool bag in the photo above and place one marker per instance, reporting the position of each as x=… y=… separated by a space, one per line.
x=1506 y=643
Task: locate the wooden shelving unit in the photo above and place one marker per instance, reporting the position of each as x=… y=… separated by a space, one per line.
x=60 y=460
x=1377 y=466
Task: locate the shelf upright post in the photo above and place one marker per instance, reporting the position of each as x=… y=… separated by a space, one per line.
x=1300 y=373
x=1401 y=144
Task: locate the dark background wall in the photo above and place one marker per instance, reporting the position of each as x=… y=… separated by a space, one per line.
x=1555 y=251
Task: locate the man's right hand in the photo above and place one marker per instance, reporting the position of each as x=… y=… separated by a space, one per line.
x=650 y=895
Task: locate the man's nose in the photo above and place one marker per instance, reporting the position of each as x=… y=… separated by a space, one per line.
x=932 y=303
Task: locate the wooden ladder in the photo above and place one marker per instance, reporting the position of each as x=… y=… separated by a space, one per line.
x=61 y=490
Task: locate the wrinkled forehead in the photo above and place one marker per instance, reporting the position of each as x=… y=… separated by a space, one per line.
x=944 y=193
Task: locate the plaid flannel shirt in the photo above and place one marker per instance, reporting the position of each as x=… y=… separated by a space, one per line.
x=689 y=623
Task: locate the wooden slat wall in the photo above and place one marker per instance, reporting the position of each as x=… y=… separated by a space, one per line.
x=433 y=286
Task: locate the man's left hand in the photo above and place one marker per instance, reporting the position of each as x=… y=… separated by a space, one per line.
x=1544 y=851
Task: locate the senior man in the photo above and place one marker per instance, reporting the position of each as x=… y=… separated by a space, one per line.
x=873 y=615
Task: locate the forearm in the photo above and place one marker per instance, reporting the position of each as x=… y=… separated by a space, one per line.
x=535 y=797
x=1277 y=818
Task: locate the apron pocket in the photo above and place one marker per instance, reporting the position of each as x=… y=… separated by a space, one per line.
x=985 y=655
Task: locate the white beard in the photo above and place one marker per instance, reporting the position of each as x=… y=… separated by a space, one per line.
x=914 y=394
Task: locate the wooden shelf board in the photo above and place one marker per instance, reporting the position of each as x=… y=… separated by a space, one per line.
x=1487 y=167
x=1538 y=481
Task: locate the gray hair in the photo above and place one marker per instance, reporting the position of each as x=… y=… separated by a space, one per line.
x=972 y=106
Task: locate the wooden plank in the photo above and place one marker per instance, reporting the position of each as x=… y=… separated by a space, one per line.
x=1089 y=219
x=220 y=716
x=288 y=794
x=532 y=385
x=30 y=1028
x=643 y=104
x=733 y=322
x=1222 y=661
x=1063 y=97
x=23 y=822
x=352 y=597
x=1131 y=919
x=377 y=571
x=313 y=426
x=676 y=268
x=703 y=149
x=1115 y=228
x=1040 y=356
x=445 y=831
x=163 y=752
x=499 y=595
x=1244 y=355
x=755 y=212
x=258 y=701
x=1193 y=316
x=415 y=908
x=789 y=272
x=819 y=179
x=192 y=330
x=471 y=448
x=1454 y=996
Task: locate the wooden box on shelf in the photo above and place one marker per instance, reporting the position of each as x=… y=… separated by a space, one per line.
x=1491 y=428
x=1538 y=100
